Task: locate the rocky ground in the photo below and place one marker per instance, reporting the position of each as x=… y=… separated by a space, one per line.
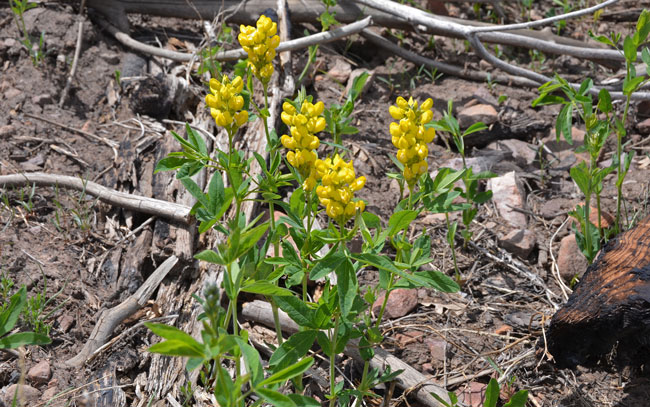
x=67 y=247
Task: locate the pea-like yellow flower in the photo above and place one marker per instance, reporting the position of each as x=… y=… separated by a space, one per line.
x=339 y=183
x=410 y=137
x=302 y=141
x=225 y=102
x=260 y=43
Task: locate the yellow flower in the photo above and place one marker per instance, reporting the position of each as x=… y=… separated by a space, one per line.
x=260 y=43
x=225 y=102
x=339 y=183
x=302 y=141
x=410 y=136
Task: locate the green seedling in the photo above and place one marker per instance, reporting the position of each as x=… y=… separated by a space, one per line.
x=9 y=318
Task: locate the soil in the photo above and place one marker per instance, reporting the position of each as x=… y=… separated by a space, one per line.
x=62 y=244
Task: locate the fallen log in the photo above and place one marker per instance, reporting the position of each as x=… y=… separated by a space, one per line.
x=607 y=318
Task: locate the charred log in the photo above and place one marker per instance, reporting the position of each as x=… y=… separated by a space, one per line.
x=607 y=318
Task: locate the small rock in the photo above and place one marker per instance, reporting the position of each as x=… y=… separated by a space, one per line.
x=427 y=367
x=110 y=57
x=519 y=242
x=644 y=126
x=503 y=329
x=551 y=141
x=65 y=322
x=433 y=219
x=42 y=100
x=524 y=153
x=437 y=7
x=355 y=74
x=12 y=93
x=473 y=394
x=409 y=337
x=438 y=350
x=507 y=195
x=606 y=219
x=33 y=164
x=29 y=394
x=341 y=71
x=7 y=130
x=49 y=393
x=40 y=372
x=570 y=261
x=477 y=113
x=400 y=302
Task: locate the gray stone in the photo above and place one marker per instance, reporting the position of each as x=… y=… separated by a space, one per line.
x=506 y=195
x=28 y=396
x=519 y=242
x=477 y=113
x=524 y=153
x=400 y=302
x=570 y=261
x=7 y=130
x=42 y=100
x=40 y=372
x=644 y=126
x=355 y=74
x=341 y=71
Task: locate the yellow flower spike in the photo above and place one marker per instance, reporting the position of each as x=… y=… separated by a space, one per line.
x=260 y=43
x=401 y=103
x=395 y=112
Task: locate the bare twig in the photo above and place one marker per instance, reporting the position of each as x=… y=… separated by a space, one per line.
x=75 y=60
x=151 y=206
x=235 y=54
x=111 y=318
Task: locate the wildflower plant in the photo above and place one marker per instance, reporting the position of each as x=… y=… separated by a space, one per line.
x=323 y=183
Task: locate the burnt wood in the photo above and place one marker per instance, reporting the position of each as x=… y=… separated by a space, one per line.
x=607 y=318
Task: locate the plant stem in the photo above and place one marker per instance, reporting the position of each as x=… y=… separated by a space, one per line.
x=619 y=153
x=452 y=243
x=333 y=342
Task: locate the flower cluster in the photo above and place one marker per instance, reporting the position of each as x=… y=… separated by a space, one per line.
x=225 y=102
x=260 y=44
x=339 y=185
x=411 y=137
x=302 y=142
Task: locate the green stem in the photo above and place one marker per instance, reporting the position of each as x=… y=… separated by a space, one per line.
x=452 y=243
x=333 y=340
x=276 y=321
x=619 y=153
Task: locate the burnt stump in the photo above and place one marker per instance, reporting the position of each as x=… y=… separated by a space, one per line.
x=606 y=320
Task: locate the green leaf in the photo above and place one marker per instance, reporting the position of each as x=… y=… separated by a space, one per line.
x=297 y=310
x=10 y=315
x=631 y=85
x=602 y=39
x=645 y=56
x=327 y=264
x=434 y=279
x=563 y=124
x=451 y=233
x=195 y=139
x=195 y=190
x=211 y=257
x=275 y=398
x=23 y=339
x=629 y=49
x=643 y=26
x=348 y=286
x=252 y=360
x=248 y=239
x=265 y=288
x=478 y=126
x=371 y=220
x=292 y=349
x=171 y=163
x=400 y=220
x=580 y=174
x=174 y=347
x=303 y=401
x=216 y=192
x=491 y=394
x=605 y=101
x=287 y=373
x=178 y=342
x=519 y=399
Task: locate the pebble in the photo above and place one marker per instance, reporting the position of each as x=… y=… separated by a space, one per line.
x=341 y=71
x=7 y=130
x=355 y=74
x=570 y=261
x=438 y=350
x=524 y=153
x=473 y=394
x=552 y=143
x=401 y=301
x=29 y=394
x=66 y=322
x=477 y=113
x=110 y=57
x=40 y=372
x=42 y=100
x=507 y=195
x=644 y=126
x=503 y=329
x=12 y=93
x=520 y=242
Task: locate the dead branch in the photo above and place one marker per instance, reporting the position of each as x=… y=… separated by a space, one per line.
x=235 y=54
x=151 y=206
x=75 y=59
x=111 y=318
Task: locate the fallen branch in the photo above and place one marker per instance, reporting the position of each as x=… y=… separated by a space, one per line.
x=151 y=206
x=475 y=34
x=235 y=54
x=75 y=59
x=111 y=318
x=410 y=380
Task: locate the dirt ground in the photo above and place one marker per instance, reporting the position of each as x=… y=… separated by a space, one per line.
x=64 y=244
